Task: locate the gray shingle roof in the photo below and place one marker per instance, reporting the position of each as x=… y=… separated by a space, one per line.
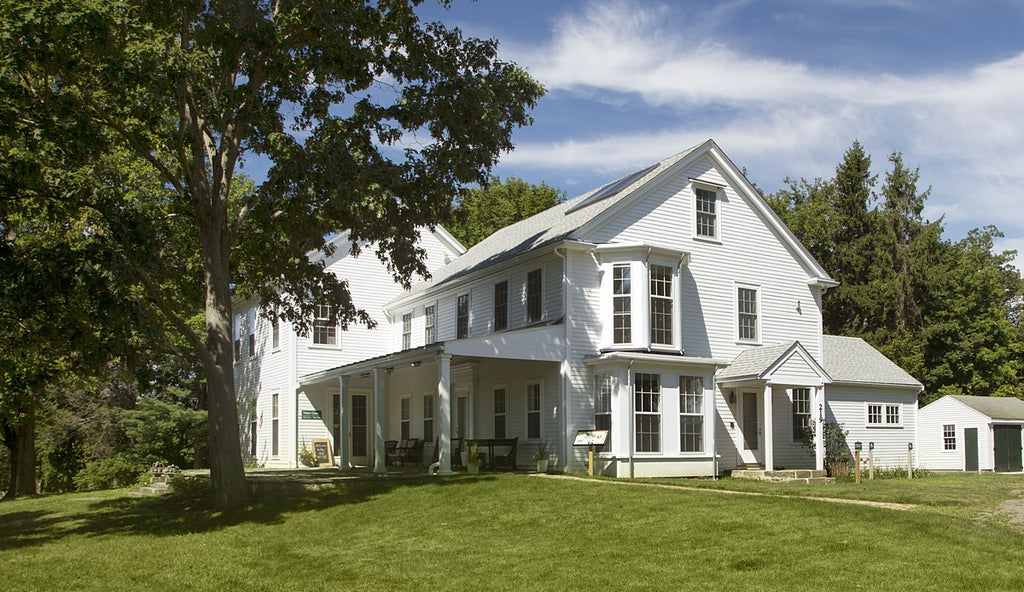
x=994 y=407
x=853 y=360
x=753 y=362
x=548 y=227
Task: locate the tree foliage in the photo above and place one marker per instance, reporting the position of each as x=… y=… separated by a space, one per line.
x=947 y=312
x=134 y=117
x=480 y=211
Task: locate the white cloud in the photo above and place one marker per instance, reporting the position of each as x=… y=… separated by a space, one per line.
x=964 y=127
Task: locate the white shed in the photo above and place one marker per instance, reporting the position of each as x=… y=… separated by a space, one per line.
x=964 y=433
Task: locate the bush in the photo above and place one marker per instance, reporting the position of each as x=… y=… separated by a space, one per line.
x=190 y=487
x=120 y=470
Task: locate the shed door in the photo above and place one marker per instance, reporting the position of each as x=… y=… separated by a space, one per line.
x=971 y=449
x=1007 y=448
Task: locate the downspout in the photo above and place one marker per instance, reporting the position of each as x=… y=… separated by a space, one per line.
x=714 y=421
x=294 y=374
x=564 y=370
x=647 y=280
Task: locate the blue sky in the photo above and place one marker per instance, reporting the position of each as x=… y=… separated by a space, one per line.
x=784 y=87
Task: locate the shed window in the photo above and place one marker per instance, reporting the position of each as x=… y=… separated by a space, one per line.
x=949 y=437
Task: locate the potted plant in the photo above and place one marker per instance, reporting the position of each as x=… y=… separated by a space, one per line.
x=306 y=456
x=541 y=456
x=473 y=459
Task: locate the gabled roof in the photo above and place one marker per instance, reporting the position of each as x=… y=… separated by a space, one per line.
x=1006 y=408
x=565 y=220
x=853 y=360
x=759 y=363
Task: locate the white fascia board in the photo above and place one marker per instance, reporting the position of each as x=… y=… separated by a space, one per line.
x=446 y=237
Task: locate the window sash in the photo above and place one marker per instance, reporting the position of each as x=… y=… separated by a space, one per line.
x=661 y=304
x=603 y=406
x=747 y=313
x=428 y=328
x=500 y=412
x=801 y=413
x=275 y=330
x=428 y=418
x=647 y=416
x=407 y=330
x=406 y=418
x=691 y=414
x=274 y=426
x=622 y=329
x=707 y=217
x=949 y=437
x=534 y=296
x=501 y=306
x=324 y=332
x=533 y=411
x=462 y=316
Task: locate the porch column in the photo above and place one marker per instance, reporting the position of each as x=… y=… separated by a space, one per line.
x=444 y=400
x=343 y=445
x=378 y=420
x=769 y=436
x=819 y=428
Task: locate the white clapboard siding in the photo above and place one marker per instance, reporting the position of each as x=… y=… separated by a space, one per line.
x=847 y=405
x=949 y=411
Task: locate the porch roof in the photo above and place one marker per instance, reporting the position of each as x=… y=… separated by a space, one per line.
x=761 y=363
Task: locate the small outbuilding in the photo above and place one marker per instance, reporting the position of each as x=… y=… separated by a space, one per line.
x=964 y=433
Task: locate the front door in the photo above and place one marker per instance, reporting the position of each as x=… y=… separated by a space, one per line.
x=359 y=430
x=971 y=449
x=749 y=429
x=1007 y=448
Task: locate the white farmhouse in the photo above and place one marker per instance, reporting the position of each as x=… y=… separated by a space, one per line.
x=671 y=307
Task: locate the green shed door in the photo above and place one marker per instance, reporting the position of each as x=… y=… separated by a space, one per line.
x=971 y=449
x=1008 y=448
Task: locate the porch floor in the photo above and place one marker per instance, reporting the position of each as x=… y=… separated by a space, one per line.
x=785 y=476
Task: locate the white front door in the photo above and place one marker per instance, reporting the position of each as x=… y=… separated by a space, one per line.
x=359 y=429
x=750 y=428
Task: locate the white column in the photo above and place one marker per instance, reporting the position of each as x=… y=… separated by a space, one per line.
x=819 y=428
x=769 y=437
x=343 y=444
x=444 y=400
x=378 y=420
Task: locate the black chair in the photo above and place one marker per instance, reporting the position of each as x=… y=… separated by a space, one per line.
x=390 y=452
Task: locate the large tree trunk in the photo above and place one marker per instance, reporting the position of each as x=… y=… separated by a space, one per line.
x=21 y=441
x=227 y=473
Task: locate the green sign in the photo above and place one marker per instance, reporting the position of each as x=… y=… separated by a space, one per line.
x=310 y=414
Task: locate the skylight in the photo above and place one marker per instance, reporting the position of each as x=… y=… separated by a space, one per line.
x=612 y=188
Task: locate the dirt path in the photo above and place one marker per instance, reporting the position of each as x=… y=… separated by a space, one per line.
x=1013 y=509
x=886 y=505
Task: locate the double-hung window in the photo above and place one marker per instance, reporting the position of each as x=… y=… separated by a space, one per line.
x=406 y=417
x=707 y=213
x=533 y=411
x=801 y=413
x=325 y=331
x=647 y=412
x=275 y=329
x=275 y=432
x=884 y=415
x=407 y=330
x=661 y=305
x=622 y=329
x=603 y=406
x=747 y=314
x=428 y=418
x=691 y=414
x=500 y=401
x=462 y=316
x=253 y=426
x=251 y=325
x=534 y=296
x=238 y=338
x=501 y=306
x=949 y=437
x=429 y=324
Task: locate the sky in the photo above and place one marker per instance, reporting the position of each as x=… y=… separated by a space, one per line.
x=784 y=87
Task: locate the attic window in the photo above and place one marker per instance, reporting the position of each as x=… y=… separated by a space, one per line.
x=612 y=188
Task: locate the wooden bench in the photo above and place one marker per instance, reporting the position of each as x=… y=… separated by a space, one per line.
x=498 y=453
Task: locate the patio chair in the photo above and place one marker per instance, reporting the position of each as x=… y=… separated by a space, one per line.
x=390 y=452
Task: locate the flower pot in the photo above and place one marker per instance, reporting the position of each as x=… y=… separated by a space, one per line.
x=542 y=466
x=473 y=468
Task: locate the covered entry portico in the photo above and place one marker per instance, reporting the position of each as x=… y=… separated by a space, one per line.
x=773 y=396
x=440 y=392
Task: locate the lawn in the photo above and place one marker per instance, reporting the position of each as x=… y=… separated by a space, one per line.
x=519 y=532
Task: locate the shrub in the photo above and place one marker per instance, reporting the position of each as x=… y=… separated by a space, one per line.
x=191 y=487
x=120 y=470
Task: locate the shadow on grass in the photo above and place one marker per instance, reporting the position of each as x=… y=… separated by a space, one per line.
x=176 y=514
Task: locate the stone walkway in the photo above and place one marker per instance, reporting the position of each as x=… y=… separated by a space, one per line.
x=885 y=505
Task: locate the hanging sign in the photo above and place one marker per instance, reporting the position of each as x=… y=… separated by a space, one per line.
x=590 y=438
x=311 y=414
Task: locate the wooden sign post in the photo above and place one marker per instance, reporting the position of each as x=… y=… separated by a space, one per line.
x=856 y=461
x=590 y=438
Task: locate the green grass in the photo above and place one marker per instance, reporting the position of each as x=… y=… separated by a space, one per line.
x=516 y=532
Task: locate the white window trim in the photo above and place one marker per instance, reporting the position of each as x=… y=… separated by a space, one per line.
x=311 y=344
x=694 y=186
x=469 y=314
x=407 y=330
x=526 y=395
x=810 y=408
x=275 y=324
x=405 y=397
x=676 y=308
x=736 y=313
x=885 y=408
x=427 y=325
x=508 y=305
x=660 y=413
x=610 y=291
x=432 y=418
x=703 y=452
